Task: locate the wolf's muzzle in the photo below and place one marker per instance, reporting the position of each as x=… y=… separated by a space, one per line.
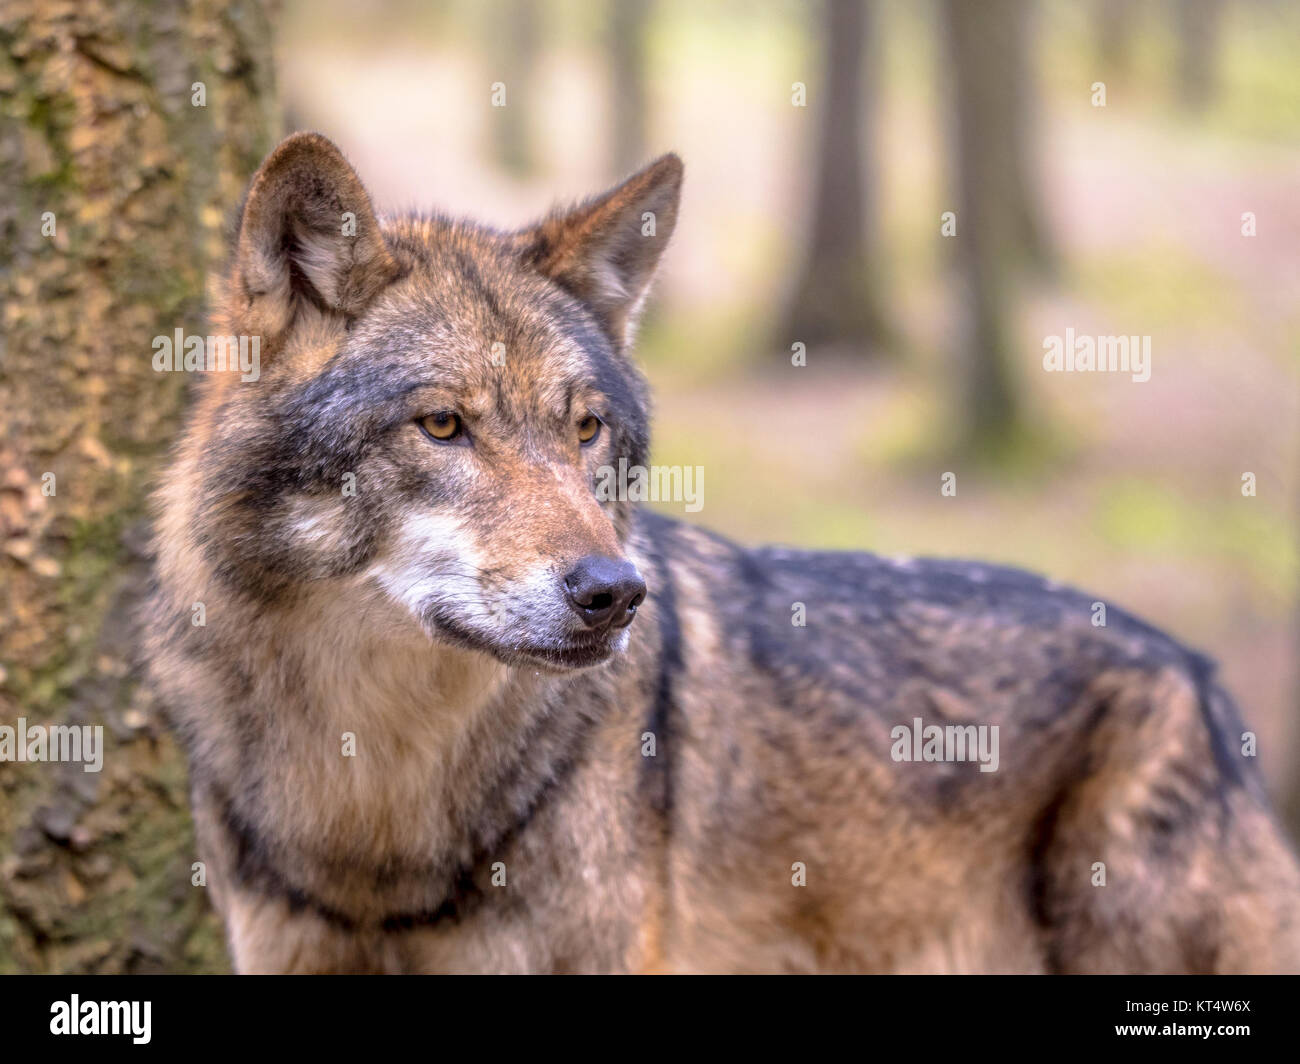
x=603 y=592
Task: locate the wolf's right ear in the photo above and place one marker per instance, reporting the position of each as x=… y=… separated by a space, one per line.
x=308 y=233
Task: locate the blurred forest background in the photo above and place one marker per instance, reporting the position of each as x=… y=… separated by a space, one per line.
x=814 y=219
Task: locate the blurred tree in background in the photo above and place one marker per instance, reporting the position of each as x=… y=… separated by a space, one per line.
x=1114 y=36
x=976 y=37
x=836 y=298
x=626 y=46
x=1000 y=227
x=1198 y=24
x=129 y=133
x=514 y=38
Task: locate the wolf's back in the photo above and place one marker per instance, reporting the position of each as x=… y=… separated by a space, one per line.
x=1125 y=788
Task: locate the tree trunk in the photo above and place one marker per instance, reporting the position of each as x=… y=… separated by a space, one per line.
x=1114 y=23
x=514 y=41
x=1199 y=23
x=116 y=186
x=627 y=77
x=990 y=229
x=1013 y=35
x=836 y=299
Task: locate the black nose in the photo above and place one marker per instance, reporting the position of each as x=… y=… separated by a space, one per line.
x=604 y=592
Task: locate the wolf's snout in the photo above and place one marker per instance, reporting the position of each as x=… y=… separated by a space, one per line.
x=604 y=592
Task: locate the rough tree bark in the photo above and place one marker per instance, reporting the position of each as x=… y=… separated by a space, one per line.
x=836 y=299
x=116 y=187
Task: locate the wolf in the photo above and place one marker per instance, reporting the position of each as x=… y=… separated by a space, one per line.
x=445 y=710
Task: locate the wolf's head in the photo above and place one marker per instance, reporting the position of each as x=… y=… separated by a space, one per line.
x=434 y=402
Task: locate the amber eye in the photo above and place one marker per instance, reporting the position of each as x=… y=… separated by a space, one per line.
x=443 y=426
x=588 y=429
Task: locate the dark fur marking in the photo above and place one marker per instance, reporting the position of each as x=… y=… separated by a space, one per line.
x=255 y=870
x=1043 y=836
x=658 y=779
x=1219 y=714
x=473 y=276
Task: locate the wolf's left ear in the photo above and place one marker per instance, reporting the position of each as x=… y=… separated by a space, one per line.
x=605 y=251
x=308 y=235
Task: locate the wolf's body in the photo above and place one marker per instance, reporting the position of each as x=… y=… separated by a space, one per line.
x=710 y=789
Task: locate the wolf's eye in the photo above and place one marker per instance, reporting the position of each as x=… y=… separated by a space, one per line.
x=443 y=426
x=588 y=429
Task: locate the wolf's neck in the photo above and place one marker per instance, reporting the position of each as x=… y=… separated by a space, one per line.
x=388 y=768
x=394 y=751
x=368 y=668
